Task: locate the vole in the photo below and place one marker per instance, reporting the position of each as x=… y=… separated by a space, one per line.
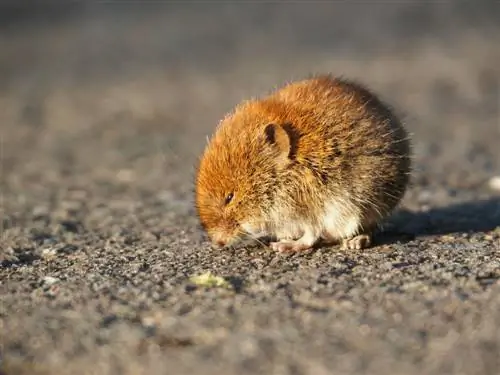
x=322 y=159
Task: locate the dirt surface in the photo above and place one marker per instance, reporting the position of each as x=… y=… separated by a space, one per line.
x=104 y=110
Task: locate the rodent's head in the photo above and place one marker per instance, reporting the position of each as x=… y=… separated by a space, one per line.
x=237 y=177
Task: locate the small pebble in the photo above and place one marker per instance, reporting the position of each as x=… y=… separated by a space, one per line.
x=125 y=175
x=40 y=211
x=49 y=280
x=424 y=196
x=49 y=253
x=448 y=238
x=494 y=183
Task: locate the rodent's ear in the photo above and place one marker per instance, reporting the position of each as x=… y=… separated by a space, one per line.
x=277 y=136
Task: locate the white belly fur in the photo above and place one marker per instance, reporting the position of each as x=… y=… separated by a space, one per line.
x=336 y=221
x=340 y=220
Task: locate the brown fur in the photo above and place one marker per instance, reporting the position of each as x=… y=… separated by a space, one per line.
x=305 y=144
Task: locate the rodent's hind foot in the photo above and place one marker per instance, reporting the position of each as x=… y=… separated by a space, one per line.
x=290 y=246
x=361 y=241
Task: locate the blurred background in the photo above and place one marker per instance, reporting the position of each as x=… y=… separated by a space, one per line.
x=128 y=91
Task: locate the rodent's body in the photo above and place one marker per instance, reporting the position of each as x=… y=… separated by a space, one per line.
x=321 y=158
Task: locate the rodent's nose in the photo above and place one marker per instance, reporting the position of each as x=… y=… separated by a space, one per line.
x=219 y=240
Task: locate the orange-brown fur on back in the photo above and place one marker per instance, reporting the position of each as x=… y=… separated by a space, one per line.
x=284 y=157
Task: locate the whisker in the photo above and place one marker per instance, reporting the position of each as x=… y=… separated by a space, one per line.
x=252 y=237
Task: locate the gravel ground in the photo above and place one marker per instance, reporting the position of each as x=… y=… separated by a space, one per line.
x=104 y=111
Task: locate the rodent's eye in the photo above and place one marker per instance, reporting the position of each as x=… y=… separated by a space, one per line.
x=228 y=198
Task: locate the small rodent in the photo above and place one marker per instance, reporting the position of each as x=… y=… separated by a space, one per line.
x=318 y=160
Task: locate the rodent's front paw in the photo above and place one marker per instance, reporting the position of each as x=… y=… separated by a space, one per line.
x=289 y=246
x=359 y=242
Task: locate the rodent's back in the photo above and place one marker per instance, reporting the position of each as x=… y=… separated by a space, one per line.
x=350 y=137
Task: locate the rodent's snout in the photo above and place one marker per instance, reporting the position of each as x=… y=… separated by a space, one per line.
x=219 y=240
